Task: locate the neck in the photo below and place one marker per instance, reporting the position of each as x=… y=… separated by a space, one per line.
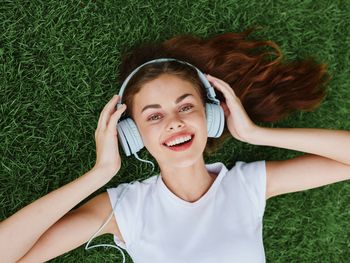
x=189 y=183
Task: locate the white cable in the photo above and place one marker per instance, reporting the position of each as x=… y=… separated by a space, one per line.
x=110 y=216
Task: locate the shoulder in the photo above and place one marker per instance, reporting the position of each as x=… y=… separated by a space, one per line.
x=250 y=174
x=245 y=183
x=132 y=194
x=249 y=169
x=126 y=200
x=241 y=169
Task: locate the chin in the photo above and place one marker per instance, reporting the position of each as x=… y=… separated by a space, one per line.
x=181 y=161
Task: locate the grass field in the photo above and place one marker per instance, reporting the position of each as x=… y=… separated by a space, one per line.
x=58 y=68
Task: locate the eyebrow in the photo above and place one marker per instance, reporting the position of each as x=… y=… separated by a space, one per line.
x=178 y=100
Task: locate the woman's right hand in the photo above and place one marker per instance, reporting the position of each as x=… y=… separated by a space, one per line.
x=107 y=152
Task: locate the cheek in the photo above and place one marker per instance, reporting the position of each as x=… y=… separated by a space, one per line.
x=203 y=119
x=150 y=136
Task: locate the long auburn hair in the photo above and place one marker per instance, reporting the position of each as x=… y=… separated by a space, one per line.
x=269 y=88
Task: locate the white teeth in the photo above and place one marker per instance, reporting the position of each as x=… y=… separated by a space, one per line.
x=179 y=140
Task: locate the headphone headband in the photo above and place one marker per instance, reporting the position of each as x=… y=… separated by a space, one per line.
x=209 y=89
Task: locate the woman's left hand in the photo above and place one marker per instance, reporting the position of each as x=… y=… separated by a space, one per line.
x=238 y=122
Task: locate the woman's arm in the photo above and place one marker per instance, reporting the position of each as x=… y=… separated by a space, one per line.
x=19 y=232
x=74 y=229
x=333 y=144
x=328 y=161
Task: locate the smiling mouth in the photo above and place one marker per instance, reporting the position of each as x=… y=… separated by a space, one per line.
x=181 y=146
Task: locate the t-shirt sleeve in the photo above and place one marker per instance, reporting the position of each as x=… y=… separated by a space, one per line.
x=253 y=176
x=125 y=201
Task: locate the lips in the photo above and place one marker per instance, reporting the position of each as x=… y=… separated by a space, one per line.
x=178 y=135
x=182 y=146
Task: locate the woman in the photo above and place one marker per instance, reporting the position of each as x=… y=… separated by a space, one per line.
x=209 y=213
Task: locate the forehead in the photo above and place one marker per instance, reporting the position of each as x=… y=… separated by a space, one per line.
x=164 y=88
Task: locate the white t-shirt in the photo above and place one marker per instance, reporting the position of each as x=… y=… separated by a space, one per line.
x=224 y=225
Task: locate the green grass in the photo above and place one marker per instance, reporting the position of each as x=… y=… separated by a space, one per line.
x=58 y=65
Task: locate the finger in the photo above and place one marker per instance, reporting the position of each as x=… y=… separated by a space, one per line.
x=225 y=89
x=112 y=124
x=107 y=111
x=220 y=84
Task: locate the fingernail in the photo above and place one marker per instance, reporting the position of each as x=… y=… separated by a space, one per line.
x=120 y=106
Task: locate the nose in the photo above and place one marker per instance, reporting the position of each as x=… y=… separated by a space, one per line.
x=175 y=123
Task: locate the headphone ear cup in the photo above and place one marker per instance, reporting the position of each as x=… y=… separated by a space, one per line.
x=209 y=115
x=121 y=128
x=135 y=135
x=129 y=136
x=219 y=112
x=215 y=120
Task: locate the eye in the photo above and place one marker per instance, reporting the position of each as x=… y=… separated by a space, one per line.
x=152 y=118
x=187 y=107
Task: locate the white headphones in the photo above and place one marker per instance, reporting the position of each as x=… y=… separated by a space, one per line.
x=128 y=133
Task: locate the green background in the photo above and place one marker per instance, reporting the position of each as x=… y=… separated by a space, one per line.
x=58 y=68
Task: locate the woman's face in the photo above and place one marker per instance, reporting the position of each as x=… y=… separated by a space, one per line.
x=166 y=107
